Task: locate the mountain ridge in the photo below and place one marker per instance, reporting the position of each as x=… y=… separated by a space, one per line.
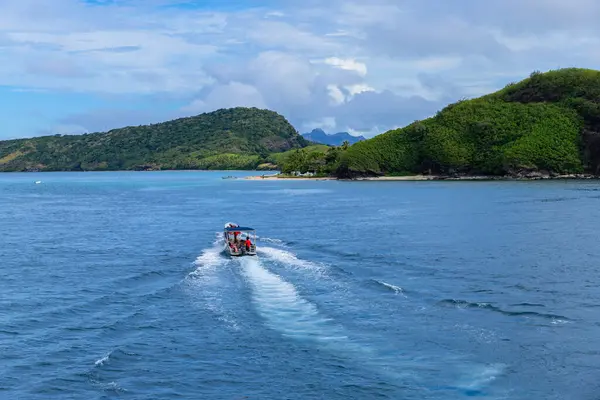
x=232 y=138
x=319 y=136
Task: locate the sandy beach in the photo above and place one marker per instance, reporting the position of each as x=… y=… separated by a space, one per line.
x=399 y=178
x=287 y=178
x=426 y=178
x=306 y=178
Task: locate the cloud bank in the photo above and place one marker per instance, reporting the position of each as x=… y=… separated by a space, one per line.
x=363 y=67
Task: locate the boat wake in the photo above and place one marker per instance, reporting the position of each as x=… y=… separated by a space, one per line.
x=280 y=304
x=289 y=259
x=323 y=277
x=283 y=309
x=388 y=286
x=208 y=262
x=209 y=282
x=271 y=240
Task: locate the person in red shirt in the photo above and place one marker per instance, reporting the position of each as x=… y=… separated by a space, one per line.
x=248 y=243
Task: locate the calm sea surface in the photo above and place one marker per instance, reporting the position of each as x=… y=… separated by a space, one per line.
x=113 y=285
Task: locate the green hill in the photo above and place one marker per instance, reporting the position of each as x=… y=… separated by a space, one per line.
x=293 y=160
x=236 y=138
x=548 y=122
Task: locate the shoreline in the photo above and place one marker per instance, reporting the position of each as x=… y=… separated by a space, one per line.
x=287 y=178
x=414 y=178
x=524 y=176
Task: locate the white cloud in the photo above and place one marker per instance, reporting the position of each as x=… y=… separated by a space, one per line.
x=328 y=124
x=346 y=93
x=234 y=94
x=274 y=14
x=281 y=35
x=347 y=64
x=552 y=40
x=436 y=63
x=369 y=133
x=336 y=94
x=350 y=65
x=360 y=88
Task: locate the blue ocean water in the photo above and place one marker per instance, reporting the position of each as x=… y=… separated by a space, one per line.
x=114 y=286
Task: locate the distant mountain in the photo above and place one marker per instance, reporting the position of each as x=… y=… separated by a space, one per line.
x=319 y=136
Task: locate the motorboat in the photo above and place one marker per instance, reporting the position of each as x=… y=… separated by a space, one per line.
x=235 y=237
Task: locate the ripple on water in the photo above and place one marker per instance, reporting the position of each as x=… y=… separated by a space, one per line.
x=490 y=291
x=463 y=304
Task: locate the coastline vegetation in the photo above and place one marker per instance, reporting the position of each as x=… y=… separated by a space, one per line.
x=235 y=138
x=548 y=123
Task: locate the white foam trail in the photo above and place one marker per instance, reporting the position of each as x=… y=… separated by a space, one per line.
x=206 y=286
x=485 y=377
x=283 y=309
x=286 y=311
x=288 y=258
x=101 y=361
x=209 y=260
x=114 y=386
x=270 y=240
x=481 y=378
x=394 y=288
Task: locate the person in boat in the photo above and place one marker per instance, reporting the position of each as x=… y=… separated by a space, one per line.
x=248 y=243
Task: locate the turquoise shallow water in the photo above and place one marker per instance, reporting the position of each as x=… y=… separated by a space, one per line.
x=113 y=286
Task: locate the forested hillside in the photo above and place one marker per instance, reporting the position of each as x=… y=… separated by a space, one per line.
x=548 y=122
x=236 y=138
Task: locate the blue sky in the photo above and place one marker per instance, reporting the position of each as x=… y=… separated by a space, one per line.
x=364 y=67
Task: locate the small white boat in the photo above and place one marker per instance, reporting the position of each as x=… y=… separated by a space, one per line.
x=239 y=240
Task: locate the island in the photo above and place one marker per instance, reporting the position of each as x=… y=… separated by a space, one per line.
x=544 y=127
x=226 y=139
